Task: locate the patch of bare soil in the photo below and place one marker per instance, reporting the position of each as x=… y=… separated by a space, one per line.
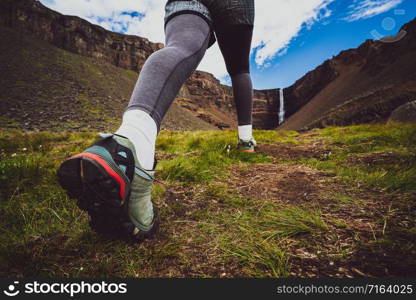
x=288 y=184
x=291 y=151
x=378 y=158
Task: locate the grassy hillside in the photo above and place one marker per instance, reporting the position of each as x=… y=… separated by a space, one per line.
x=43 y=87
x=336 y=202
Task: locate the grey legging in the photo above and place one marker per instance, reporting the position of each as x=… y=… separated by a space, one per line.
x=165 y=71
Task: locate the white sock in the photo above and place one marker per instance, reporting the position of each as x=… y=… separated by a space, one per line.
x=140 y=128
x=245 y=132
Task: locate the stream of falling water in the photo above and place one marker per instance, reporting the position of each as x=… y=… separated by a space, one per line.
x=281 y=107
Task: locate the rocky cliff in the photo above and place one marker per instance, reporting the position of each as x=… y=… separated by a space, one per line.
x=75 y=34
x=303 y=90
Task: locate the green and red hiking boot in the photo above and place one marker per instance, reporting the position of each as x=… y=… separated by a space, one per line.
x=247 y=146
x=109 y=184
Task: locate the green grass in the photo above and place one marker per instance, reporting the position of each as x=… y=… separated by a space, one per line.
x=343 y=198
x=209 y=228
x=254 y=235
x=202 y=156
x=397 y=174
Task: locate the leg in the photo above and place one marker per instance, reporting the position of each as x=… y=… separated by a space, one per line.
x=163 y=74
x=243 y=97
x=165 y=71
x=187 y=38
x=235 y=44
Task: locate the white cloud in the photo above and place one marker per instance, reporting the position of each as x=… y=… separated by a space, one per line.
x=213 y=63
x=364 y=9
x=277 y=23
x=109 y=14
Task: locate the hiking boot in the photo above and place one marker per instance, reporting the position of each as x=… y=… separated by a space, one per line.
x=110 y=184
x=247 y=146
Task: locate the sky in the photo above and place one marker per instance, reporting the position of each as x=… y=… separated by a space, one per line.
x=291 y=37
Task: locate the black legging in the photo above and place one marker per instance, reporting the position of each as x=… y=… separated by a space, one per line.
x=165 y=71
x=235 y=45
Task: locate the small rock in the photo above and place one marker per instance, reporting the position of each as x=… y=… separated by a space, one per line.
x=405 y=113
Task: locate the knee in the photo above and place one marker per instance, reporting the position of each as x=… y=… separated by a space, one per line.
x=237 y=65
x=236 y=70
x=241 y=75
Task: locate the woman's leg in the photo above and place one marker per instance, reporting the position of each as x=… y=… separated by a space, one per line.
x=163 y=74
x=235 y=44
x=165 y=71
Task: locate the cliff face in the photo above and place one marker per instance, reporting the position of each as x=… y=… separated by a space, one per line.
x=210 y=101
x=213 y=102
x=202 y=94
x=75 y=34
x=308 y=86
x=266 y=108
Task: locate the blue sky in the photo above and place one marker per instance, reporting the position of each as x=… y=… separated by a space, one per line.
x=291 y=37
x=326 y=39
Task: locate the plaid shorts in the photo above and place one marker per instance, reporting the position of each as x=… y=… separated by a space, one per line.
x=218 y=13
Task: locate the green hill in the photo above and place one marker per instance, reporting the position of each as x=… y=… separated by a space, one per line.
x=43 y=87
x=337 y=202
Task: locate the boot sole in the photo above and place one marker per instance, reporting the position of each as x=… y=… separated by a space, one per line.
x=98 y=189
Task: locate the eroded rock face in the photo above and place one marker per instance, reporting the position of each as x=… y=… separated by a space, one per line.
x=405 y=113
x=211 y=101
x=266 y=108
x=308 y=86
x=214 y=102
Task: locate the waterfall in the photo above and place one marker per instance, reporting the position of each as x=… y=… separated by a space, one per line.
x=281 y=107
